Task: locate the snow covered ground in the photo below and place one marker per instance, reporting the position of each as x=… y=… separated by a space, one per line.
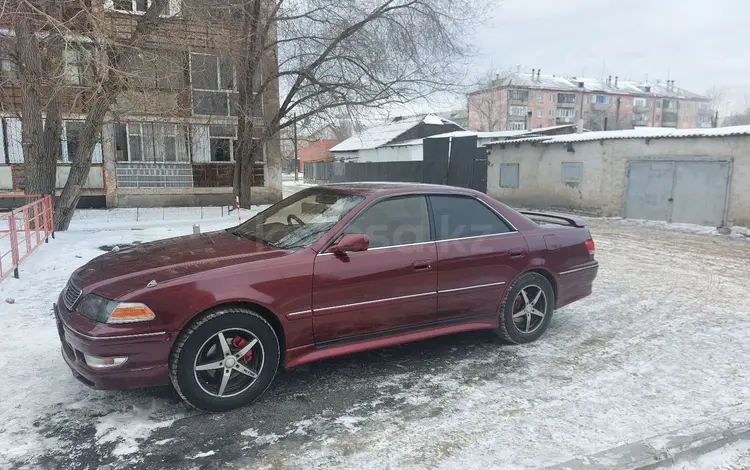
x=660 y=345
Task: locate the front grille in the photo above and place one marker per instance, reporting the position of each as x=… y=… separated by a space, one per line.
x=72 y=293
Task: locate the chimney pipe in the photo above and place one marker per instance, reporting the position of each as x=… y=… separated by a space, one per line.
x=617 y=80
x=533 y=74
x=538 y=74
x=609 y=81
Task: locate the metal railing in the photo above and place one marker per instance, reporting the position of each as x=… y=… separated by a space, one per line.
x=22 y=230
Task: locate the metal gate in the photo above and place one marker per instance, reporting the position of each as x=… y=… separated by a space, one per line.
x=693 y=192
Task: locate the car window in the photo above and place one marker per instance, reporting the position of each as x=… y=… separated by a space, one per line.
x=461 y=217
x=299 y=220
x=398 y=221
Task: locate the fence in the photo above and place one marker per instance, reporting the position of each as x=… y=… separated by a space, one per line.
x=22 y=230
x=342 y=172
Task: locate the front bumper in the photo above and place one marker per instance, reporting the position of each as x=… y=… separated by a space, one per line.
x=147 y=364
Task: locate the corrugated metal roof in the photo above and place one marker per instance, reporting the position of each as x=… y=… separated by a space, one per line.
x=378 y=136
x=641 y=133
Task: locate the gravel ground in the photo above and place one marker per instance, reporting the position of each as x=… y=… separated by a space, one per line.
x=660 y=345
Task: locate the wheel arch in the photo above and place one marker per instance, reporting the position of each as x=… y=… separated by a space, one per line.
x=261 y=310
x=544 y=272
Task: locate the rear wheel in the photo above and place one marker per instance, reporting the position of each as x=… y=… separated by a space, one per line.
x=224 y=360
x=527 y=309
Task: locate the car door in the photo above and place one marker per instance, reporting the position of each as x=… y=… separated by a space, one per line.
x=390 y=287
x=479 y=254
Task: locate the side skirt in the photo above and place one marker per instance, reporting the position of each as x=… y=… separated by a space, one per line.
x=313 y=352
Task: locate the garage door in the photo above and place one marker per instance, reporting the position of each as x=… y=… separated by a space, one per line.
x=686 y=192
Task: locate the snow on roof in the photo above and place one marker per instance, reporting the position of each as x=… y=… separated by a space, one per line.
x=378 y=136
x=640 y=133
x=481 y=135
x=571 y=84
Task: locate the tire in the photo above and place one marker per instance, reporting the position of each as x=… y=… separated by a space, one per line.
x=199 y=346
x=526 y=327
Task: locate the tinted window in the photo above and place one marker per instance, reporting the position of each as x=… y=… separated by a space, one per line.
x=459 y=217
x=399 y=221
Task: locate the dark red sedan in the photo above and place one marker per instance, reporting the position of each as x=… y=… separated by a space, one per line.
x=328 y=271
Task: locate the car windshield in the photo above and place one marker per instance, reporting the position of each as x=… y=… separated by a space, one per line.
x=299 y=220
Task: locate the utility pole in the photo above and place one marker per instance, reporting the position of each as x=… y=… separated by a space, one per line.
x=296 y=157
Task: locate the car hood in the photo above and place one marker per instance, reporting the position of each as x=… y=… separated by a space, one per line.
x=117 y=273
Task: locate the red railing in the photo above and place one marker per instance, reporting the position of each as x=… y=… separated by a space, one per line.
x=22 y=230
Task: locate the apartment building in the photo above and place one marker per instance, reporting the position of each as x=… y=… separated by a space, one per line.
x=524 y=101
x=171 y=137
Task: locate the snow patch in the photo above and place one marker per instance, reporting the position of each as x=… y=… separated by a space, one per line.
x=129 y=428
x=201 y=455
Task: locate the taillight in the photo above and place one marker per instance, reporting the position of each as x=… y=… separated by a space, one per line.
x=591 y=247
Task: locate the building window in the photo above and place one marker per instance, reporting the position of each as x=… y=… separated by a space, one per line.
x=223 y=143
x=540 y=98
x=509 y=175
x=568 y=98
x=71 y=134
x=572 y=172
x=551 y=98
x=601 y=99
x=519 y=111
x=551 y=113
x=519 y=95
x=566 y=112
x=540 y=113
x=78 y=70
x=516 y=126
x=8 y=68
x=640 y=102
x=214 y=85
x=658 y=104
x=151 y=142
x=139 y=7
x=588 y=100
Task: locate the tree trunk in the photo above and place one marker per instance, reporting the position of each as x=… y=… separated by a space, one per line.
x=81 y=163
x=30 y=71
x=50 y=149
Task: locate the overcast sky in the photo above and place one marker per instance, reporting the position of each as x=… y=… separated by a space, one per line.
x=700 y=43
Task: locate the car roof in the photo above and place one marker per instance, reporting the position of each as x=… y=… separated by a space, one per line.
x=390 y=187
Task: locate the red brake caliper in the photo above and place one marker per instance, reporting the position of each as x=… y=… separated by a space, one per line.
x=239 y=343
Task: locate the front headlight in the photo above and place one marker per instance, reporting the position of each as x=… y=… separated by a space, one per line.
x=103 y=310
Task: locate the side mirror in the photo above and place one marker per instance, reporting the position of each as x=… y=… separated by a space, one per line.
x=350 y=242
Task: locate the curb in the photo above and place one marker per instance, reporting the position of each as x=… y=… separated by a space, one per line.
x=667 y=449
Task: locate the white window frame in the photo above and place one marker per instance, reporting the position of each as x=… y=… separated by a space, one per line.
x=519 y=110
x=566 y=113
x=517 y=126
x=231 y=140
x=127 y=139
x=540 y=113
x=540 y=98
x=227 y=92
x=605 y=99
x=640 y=102
x=79 y=66
x=174 y=8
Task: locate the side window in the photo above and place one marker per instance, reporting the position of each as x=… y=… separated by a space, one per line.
x=398 y=221
x=461 y=217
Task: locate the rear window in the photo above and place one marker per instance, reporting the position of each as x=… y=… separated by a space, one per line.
x=462 y=217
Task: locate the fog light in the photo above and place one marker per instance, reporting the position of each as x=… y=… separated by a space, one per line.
x=97 y=362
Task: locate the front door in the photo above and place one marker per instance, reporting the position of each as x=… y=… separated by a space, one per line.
x=479 y=255
x=386 y=289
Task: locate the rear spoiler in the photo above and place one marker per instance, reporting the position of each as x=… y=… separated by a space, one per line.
x=554 y=218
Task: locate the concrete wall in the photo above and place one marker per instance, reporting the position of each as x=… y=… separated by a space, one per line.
x=399 y=153
x=95 y=179
x=603 y=186
x=188 y=197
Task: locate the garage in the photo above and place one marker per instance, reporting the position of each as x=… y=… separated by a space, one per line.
x=692 y=192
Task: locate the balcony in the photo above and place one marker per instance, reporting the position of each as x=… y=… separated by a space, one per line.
x=601 y=106
x=566 y=105
x=641 y=119
x=669 y=119
x=518 y=102
x=641 y=109
x=565 y=120
x=517 y=118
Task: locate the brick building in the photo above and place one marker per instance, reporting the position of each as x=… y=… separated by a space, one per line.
x=171 y=138
x=532 y=100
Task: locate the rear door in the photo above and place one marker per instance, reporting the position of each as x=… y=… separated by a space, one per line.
x=386 y=289
x=479 y=254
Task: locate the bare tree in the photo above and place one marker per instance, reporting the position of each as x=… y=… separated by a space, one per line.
x=329 y=56
x=486 y=110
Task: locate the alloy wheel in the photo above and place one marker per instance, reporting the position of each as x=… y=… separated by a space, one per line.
x=229 y=362
x=529 y=309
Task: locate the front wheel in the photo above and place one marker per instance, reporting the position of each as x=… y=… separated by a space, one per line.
x=527 y=309
x=224 y=360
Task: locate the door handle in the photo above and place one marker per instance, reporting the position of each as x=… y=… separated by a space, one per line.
x=422 y=265
x=517 y=253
